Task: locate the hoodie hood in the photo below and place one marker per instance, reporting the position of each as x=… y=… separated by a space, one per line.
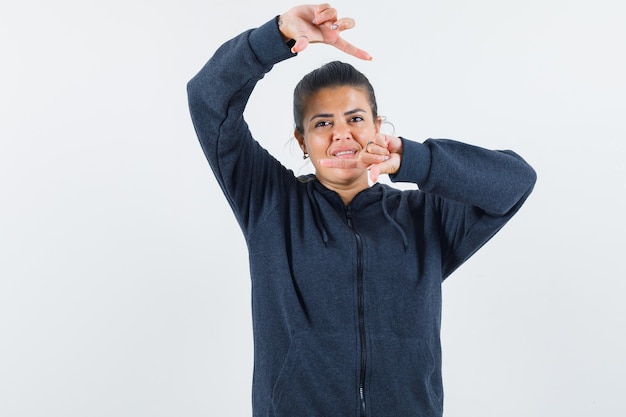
x=376 y=194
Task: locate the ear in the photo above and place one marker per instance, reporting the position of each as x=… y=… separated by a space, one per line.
x=378 y=123
x=300 y=138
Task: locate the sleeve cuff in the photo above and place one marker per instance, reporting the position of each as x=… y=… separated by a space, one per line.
x=268 y=44
x=415 y=165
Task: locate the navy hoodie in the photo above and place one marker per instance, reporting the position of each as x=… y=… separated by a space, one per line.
x=346 y=300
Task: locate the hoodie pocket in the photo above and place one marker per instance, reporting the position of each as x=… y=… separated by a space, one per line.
x=318 y=377
x=404 y=378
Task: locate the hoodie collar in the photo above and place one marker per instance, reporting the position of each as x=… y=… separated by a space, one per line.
x=376 y=194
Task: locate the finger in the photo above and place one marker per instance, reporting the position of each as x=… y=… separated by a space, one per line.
x=343 y=163
x=394 y=144
x=375 y=173
x=301 y=43
x=322 y=6
x=365 y=161
x=389 y=166
x=376 y=170
x=344 y=23
x=324 y=13
x=375 y=148
x=350 y=49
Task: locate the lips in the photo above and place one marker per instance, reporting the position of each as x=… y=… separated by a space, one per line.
x=344 y=153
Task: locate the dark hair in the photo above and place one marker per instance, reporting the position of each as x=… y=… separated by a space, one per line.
x=333 y=74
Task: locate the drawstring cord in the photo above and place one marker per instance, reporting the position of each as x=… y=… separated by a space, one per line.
x=393 y=221
x=321 y=227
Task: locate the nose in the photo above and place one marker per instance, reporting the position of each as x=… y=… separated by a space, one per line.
x=341 y=131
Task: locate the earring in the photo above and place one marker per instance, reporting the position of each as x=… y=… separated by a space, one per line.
x=305 y=156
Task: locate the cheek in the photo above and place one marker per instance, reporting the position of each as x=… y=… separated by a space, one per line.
x=317 y=143
x=365 y=134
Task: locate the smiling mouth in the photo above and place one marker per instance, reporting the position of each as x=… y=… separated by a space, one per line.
x=344 y=154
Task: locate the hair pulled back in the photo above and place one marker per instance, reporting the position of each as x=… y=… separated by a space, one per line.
x=332 y=74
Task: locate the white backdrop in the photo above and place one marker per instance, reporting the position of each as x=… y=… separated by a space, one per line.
x=124 y=287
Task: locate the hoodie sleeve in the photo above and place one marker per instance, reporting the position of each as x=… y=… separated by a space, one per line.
x=474 y=191
x=249 y=177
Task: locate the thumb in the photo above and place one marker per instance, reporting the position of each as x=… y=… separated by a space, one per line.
x=301 y=43
x=390 y=166
x=375 y=173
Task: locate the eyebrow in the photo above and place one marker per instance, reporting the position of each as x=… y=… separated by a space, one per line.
x=328 y=115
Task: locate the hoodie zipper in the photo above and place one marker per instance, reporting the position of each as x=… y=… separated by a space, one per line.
x=361 y=309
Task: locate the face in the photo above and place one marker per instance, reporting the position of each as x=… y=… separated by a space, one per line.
x=338 y=123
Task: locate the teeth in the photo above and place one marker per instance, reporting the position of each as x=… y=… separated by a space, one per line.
x=344 y=153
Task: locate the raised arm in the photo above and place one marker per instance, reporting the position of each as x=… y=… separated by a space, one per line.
x=218 y=94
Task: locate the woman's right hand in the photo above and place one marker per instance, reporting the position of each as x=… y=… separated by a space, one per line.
x=318 y=24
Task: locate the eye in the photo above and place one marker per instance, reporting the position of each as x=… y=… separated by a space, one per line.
x=356 y=119
x=322 y=123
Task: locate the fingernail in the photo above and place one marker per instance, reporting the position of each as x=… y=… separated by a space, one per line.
x=334 y=26
x=387 y=158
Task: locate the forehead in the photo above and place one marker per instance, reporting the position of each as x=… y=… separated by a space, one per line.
x=341 y=98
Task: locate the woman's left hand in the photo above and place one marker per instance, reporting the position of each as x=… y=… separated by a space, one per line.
x=381 y=155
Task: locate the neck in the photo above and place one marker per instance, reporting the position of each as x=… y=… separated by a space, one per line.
x=346 y=192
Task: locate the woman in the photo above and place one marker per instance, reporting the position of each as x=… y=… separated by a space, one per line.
x=346 y=277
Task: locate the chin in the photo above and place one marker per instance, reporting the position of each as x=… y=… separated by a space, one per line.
x=347 y=176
